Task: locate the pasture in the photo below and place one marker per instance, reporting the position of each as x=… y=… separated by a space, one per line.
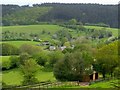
x=19 y=43
x=15 y=77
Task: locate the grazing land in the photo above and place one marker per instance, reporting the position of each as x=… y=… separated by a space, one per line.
x=20 y=43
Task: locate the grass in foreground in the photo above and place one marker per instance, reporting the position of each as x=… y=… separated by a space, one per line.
x=104 y=84
x=15 y=77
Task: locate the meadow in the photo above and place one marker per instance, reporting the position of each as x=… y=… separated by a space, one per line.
x=19 y=43
x=36 y=29
x=15 y=77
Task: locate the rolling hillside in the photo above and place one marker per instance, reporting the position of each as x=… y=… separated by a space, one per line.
x=25 y=16
x=60 y=12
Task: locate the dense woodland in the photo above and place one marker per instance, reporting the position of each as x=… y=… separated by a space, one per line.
x=58 y=12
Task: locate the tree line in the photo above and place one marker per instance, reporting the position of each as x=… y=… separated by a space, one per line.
x=56 y=12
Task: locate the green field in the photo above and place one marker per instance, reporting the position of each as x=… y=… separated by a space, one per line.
x=19 y=43
x=35 y=29
x=4 y=59
x=15 y=77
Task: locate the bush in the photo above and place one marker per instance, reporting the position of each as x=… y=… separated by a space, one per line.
x=14 y=61
x=6 y=65
x=54 y=57
x=23 y=57
x=29 y=69
x=41 y=58
x=8 y=49
x=30 y=49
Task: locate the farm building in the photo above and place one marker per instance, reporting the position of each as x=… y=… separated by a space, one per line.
x=52 y=48
x=91 y=77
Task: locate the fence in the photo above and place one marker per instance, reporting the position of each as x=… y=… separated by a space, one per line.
x=42 y=85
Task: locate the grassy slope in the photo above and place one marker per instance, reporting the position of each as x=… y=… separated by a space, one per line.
x=37 y=29
x=27 y=15
x=15 y=77
x=48 y=28
x=42 y=76
x=19 y=43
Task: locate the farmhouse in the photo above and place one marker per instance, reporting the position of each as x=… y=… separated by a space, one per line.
x=91 y=77
x=52 y=48
x=62 y=47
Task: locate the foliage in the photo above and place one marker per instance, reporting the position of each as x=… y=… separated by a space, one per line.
x=72 y=21
x=14 y=61
x=41 y=58
x=29 y=69
x=30 y=49
x=8 y=49
x=63 y=36
x=54 y=57
x=106 y=59
x=6 y=65
x=25 y=15
x=23 y=57
x=73 y=66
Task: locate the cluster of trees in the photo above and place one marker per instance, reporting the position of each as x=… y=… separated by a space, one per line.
x=7 y=35
x=83 y=60
x=63 y=36
x=57 y=13
x=107 y=59
x=78 y=26
x=8 y=49
x=69 y=64
x=74 y=66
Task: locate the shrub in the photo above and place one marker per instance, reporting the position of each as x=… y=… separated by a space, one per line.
x=30 y=49
x=14 y=61
x=29 y=70
x=8 y=49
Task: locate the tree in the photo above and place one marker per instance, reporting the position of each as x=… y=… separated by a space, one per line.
x=63 y=36
x=106 y=59
x=23 y=57
x=73 y=22
x=29 y=69
x=41 y=58
x=8 y=49
x=14 y=61
x=30 y=49
x=67 y=44
x=73 y=66
x=54 y=57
